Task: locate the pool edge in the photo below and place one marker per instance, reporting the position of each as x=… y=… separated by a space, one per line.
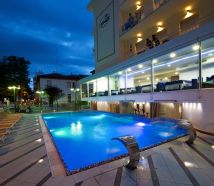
x=56 y=164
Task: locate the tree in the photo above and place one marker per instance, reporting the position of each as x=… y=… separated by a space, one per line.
x=14 y=71
x=54 y=93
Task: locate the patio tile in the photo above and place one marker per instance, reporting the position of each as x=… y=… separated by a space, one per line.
x=144 y=182
x=201 y=177
x=86 y=174
x=90 y=182
x=106 y=179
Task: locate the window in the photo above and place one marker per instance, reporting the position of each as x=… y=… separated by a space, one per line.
x=84 y=90
x=93 y=88
x=68 y=84
x=49 y=83
x=117 y=83
x=69 y=98
x=102 y=86
x=207 y=63
x=139 y=78
x=177 y=70
x=74 y=85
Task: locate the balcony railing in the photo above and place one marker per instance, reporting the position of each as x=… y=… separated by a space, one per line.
x=139 y=16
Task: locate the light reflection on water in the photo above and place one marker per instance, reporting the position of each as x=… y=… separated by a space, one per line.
x=85 y=138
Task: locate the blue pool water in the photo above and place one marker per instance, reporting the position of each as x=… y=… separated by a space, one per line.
x=84 y=138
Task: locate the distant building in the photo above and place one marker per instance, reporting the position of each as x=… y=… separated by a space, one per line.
x=63 y=82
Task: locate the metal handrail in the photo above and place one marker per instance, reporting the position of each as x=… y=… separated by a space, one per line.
x=192 y=132
x=133 y=150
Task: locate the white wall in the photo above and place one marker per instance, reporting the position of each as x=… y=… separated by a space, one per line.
x=103 y=106
x=102 y=84
x=189 y=75
x=61 y=84
x=200 y=114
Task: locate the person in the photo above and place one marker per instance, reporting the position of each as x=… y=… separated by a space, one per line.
x=137 y=18
x=138 y=108
x=155 y=40
x=131 y=20
x=143 y=110
x=149 y=43
x=147 y=115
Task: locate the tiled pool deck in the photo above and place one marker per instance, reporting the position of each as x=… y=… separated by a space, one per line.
x=24 y=161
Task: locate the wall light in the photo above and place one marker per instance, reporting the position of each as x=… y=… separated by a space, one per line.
x=138 y=5
x=129 y=69
x=160 y=26
x=188 y=12
x=139 y=37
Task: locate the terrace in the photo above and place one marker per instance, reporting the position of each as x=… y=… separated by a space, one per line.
x=24 y=161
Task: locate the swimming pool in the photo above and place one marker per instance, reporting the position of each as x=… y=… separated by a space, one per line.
x=83 y=139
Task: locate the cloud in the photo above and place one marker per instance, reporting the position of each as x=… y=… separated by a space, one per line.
x=52 y=34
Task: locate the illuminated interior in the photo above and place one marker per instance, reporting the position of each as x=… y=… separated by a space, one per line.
x=176 y=70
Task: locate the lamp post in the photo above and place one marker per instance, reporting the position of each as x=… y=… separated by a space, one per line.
x=75 y=90
x=40 y=92
x=14 y=94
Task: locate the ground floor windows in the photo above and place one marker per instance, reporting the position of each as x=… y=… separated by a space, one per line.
x=207 y=51
x=190 y=67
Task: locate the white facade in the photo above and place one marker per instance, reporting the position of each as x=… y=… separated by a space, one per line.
x=177 y=75
x=64 y=83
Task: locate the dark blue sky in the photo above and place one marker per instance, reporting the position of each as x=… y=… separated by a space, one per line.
x=52 y=34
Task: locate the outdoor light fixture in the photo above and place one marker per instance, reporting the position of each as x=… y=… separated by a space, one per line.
x=75 y=89
x=14 y=94
x=39 y=140
x=41 y=160
x=129 y=69
x=40 y=92
x=160 y=26
x=14 y=87
x=76 y=93
x=188 y=12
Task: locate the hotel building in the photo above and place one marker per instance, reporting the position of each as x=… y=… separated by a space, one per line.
x=154 y=57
